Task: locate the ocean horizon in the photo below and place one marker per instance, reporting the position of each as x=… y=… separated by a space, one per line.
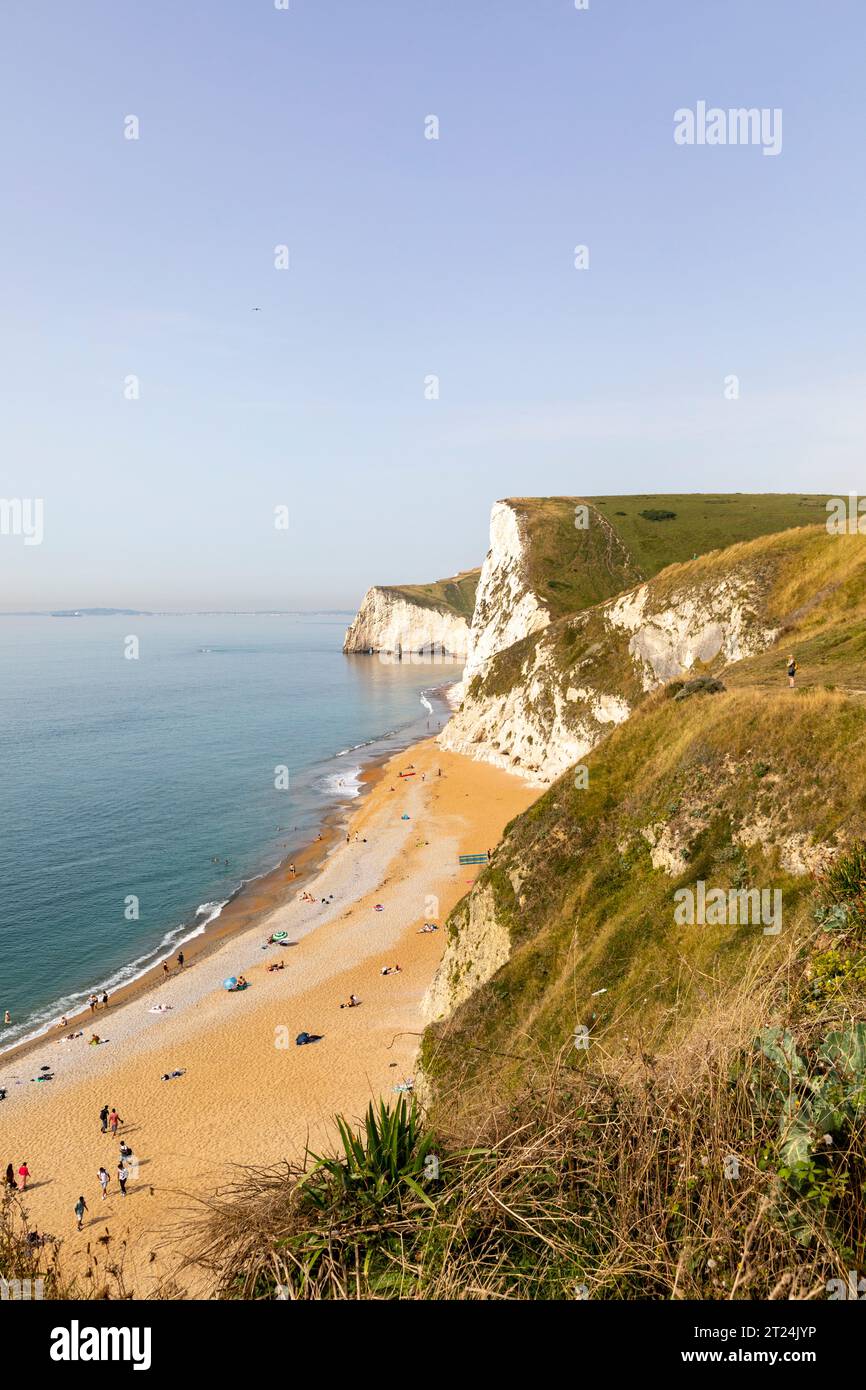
x=146 y=782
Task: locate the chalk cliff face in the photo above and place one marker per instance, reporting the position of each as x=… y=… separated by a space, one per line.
x=567 y=633
x=506 y=608
x=387 y=622
x=543 y=704
x=478 y=944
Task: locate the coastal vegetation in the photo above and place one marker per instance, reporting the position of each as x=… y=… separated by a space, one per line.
x=31 y=1268
x=572 y=566
x=689 y=1174
x=625 y=1106
x=455 y=595
x=614 y=1101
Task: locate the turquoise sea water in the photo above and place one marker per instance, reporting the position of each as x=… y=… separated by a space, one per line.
x=126 y=777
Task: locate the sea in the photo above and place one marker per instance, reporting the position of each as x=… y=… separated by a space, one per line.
x=151 y=766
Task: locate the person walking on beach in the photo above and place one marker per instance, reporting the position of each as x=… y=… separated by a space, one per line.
x=104 y=1000
x=103 y=1119
x=94 y=1003
x=113 y=1121
x=23 y=1175
x=80 y=1208
x=122 y=1175
x=104 y=1180
x=10 y=1176
x=180 y=959
x=792 y=671
x=165 y=967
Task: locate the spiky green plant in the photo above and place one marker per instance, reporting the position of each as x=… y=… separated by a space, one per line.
x=843 y=884
x=388 y=1152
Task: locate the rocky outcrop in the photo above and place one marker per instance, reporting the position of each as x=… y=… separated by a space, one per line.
x=478 y=944
x=388 y=622
x=697 y=628
x=544 y=704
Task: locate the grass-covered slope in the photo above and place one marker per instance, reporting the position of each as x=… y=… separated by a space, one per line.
x=454 y=595
x=538 y=705
x=748 y=786
x=740 y=789
x=631 y=538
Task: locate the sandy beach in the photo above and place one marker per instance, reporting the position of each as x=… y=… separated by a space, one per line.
x=248 y=1095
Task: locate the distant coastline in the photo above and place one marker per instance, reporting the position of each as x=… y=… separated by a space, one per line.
x=180 y=613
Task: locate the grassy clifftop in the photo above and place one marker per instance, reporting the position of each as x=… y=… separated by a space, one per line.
x=634 y=537
x=454 y=595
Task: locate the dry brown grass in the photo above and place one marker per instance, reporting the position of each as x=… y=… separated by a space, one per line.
x=650 y=1177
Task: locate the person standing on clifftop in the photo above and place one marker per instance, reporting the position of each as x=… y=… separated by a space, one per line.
x=792 y=671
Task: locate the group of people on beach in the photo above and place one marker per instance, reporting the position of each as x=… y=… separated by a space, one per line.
x=17 y=1182
x=109 y=1117
x=109 y=1120
x=109 y=1123
x=166 y=968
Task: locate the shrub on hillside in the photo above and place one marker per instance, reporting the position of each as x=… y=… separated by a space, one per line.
x=843 y=886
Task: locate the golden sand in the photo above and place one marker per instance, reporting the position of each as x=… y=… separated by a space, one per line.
x=249 y=1095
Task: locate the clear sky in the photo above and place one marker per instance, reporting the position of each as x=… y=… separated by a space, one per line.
x=261 y=127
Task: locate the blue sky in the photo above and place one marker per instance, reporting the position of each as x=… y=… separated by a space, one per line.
x=408 y=257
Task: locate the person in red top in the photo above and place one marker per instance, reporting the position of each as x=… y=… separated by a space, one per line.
x=113 y=1121
x=23 y=1175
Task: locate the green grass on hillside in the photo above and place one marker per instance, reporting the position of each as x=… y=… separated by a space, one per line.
x=455 y=595
x=590 y=913
x=704 y=522
x=808 y=586
x=572 y=568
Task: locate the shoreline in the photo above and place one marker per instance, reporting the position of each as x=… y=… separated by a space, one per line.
x=215 y=1083
x=252 y=900
x=239 y=913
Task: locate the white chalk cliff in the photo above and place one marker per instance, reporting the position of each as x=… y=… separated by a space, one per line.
x=542 y=709
x=506 y=608
x=387 y=622
x=537 y=694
